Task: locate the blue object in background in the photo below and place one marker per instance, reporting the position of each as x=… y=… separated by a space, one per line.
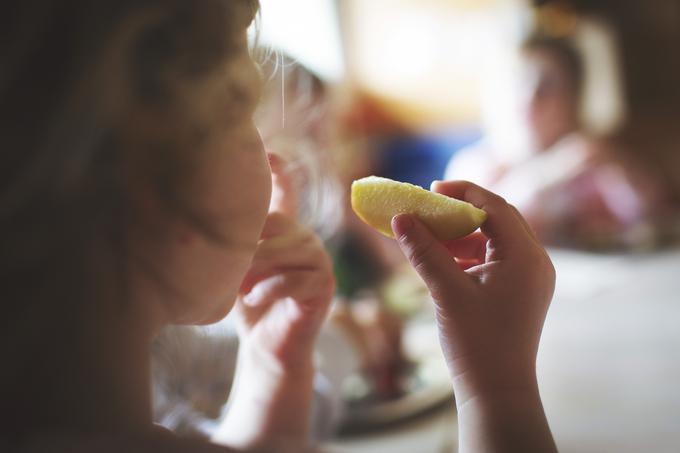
x=421 y=159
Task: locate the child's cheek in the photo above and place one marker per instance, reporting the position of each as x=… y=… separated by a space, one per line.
x=222 y=285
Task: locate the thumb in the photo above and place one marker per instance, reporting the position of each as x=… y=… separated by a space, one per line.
x=429 y=257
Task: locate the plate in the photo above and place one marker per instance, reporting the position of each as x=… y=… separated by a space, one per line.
x=424 y=385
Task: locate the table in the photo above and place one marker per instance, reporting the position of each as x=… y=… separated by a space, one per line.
x=608 y=365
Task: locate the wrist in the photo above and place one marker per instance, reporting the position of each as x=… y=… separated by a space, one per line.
x=504 y=420
x=264 y=396
x=498 y=397
x=494 y=383
x=258 y=361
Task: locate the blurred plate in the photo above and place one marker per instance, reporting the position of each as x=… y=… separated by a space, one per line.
x=425 y=385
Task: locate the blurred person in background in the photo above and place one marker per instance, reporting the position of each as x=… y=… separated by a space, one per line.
x=575 y=189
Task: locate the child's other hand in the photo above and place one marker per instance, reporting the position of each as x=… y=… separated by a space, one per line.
x=284 y=300
x=287 y=292
x=491 y=290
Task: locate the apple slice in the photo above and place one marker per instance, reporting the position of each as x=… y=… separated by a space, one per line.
x=377 y=200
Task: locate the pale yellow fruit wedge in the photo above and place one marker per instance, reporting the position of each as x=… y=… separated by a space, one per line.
x=377 y=200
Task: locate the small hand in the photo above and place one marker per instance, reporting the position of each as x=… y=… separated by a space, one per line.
x=287 y=292
x=283 y=302
x=491 y=292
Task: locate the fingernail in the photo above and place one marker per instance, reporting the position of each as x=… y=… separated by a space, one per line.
x=434 y=184
x=402 y=224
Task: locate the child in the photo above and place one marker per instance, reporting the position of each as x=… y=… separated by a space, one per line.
x=575 y=189
x=135 y=193
x=550 y=91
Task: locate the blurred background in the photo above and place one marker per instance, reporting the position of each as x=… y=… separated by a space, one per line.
x=571 y=110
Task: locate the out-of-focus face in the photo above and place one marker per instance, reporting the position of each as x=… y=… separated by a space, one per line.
x=231 y=190
x=550 y=101
x=234 y=190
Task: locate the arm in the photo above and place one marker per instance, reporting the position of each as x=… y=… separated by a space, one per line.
x=491 y=292
x=271 y=405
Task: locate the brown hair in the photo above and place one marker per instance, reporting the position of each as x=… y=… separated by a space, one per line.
x=566 y=54
x=89 y=90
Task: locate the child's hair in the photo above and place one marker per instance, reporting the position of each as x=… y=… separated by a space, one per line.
x=96 y=97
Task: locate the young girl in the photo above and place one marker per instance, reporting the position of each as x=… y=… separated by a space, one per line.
x=135 y=193
x=574 y=188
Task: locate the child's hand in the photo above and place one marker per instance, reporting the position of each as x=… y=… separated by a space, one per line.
x=284 y=300
x=287 y=292
x=491 y=291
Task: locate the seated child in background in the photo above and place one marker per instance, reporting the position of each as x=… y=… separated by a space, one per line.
x=135 y=194
x=574 y=189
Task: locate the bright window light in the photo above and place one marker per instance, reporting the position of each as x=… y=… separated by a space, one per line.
x=306 y=30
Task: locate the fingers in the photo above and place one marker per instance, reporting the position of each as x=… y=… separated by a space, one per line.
x=471 y=247
x=307 y=287
x=453 y=189
x=285 y=246
x=469 y=251
x=290 y=251
x=429 y=257
x=530 y=231
x=285 y=196
x=467 y=264
x=285 y=253
x=504 y=225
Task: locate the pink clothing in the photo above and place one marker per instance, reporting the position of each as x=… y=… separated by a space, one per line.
x=579 y=193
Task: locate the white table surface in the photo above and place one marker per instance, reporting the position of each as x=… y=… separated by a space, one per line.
x=609 y=363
